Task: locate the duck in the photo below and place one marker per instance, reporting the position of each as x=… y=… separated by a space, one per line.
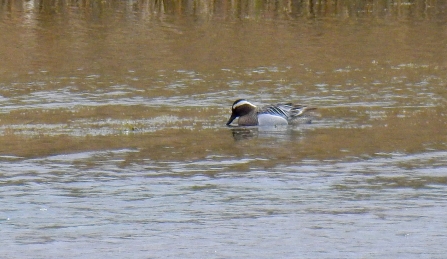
x=270 y=115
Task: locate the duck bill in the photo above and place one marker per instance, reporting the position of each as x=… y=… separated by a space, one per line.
x=231 y=119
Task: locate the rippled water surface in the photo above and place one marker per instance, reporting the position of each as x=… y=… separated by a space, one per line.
x=113 y=141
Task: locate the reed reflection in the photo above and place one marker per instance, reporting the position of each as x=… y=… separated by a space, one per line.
x=239 y=9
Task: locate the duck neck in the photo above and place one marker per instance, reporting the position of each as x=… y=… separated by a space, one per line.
x=250 y=119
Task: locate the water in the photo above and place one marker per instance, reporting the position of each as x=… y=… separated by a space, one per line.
x=114 y=144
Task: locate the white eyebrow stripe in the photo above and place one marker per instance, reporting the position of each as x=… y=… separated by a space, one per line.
x=242 y=103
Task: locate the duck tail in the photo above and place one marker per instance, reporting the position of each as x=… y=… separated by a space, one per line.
x=299 y=110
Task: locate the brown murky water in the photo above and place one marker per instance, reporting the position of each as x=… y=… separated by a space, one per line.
x=113 y=140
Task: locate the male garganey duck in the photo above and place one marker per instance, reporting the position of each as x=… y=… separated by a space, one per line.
x=271 y=115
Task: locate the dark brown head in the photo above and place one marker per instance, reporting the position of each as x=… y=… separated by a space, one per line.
x=240 y=108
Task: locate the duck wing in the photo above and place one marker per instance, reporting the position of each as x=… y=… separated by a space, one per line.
x=282 y=110
x=285 y=110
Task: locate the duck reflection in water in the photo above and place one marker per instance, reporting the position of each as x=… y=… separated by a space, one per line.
x=282 y=132
x=241 y=133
